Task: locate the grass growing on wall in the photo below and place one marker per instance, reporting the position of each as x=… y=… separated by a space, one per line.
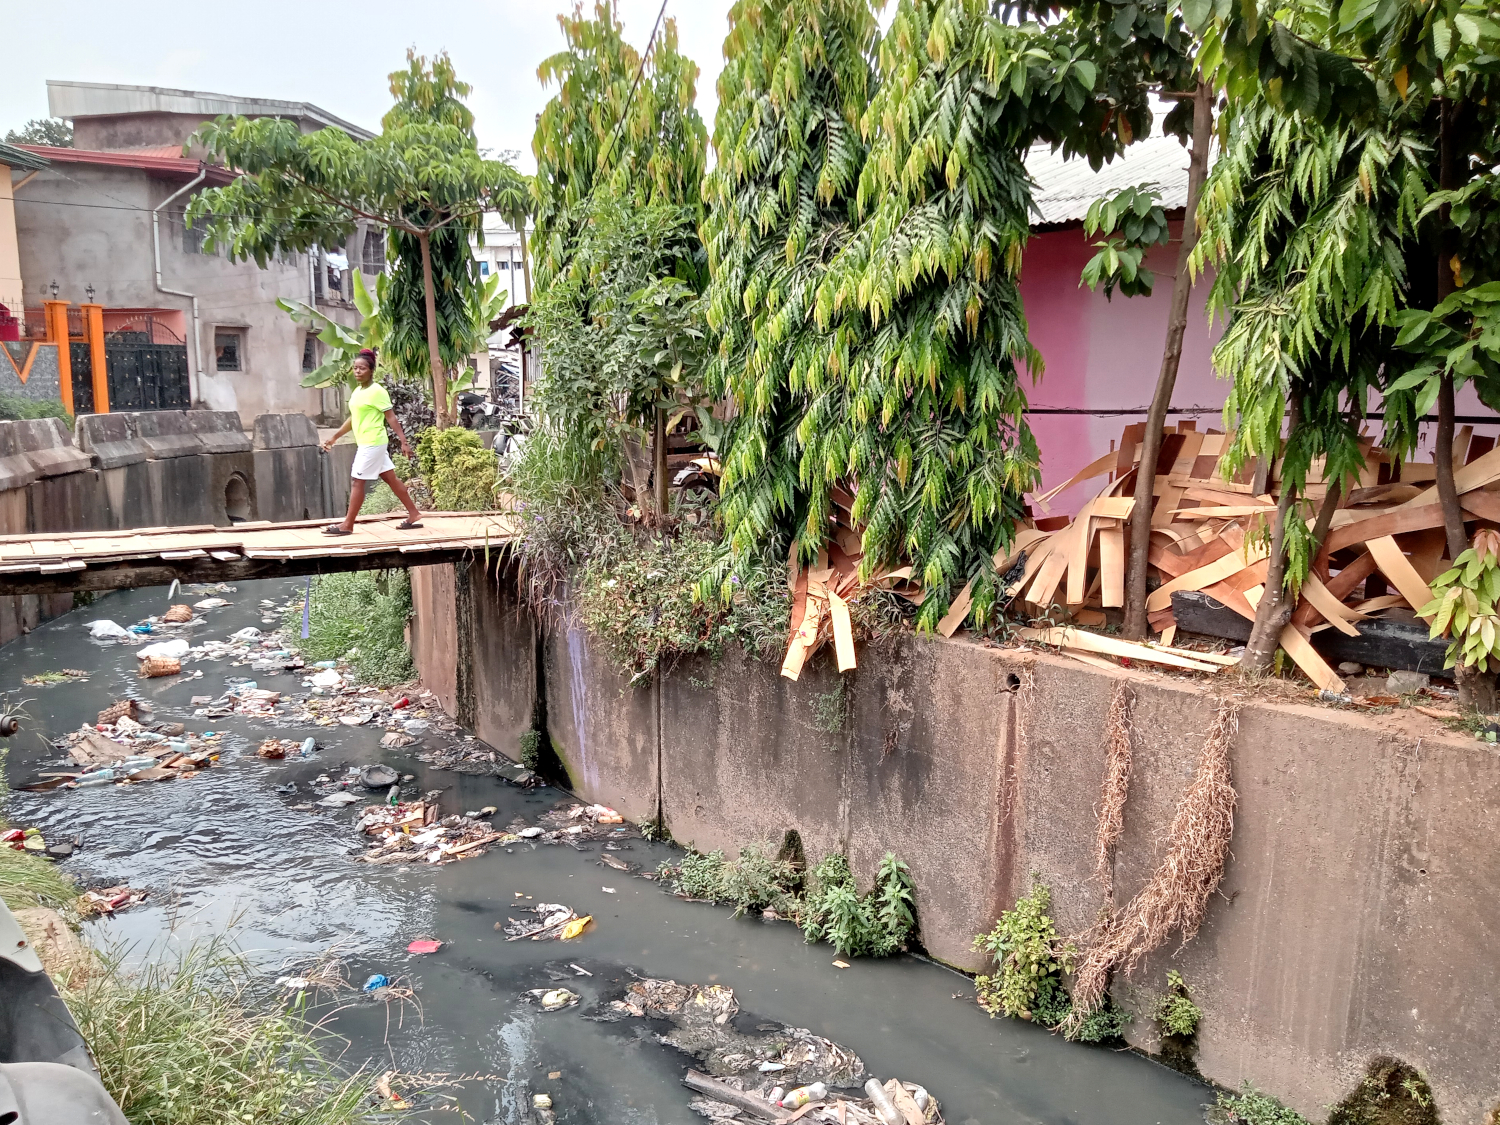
x=359 y=617
x=14 y=408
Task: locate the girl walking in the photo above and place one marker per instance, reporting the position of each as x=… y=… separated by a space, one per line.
x=369 y=412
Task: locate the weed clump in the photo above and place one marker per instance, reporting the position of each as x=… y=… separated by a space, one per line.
x=876 y=925
x=28 y=880
x=1175 y=1011
x=828 y=907
x=1251 y=1107
x=190 y=1044
x=1391 y=1093
x=1032 y=960
x=360 y=617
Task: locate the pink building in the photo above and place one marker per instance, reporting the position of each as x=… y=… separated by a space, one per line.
x=1103 y=356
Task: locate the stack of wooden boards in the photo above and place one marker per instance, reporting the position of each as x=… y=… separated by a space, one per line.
x=1209 y=535
x=1385 y=545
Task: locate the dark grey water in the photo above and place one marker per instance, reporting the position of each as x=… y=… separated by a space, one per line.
x=226 y=853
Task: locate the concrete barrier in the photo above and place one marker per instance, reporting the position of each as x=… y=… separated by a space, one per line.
x=219 y=431
x=49 y=447
x=284 y=431
x=16 y=469
x=167 y=433
x=112 y=440
x=1353 y=918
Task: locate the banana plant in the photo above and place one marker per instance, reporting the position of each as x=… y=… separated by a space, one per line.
x=343 y=343
x=485 y=307
x=1463 y=605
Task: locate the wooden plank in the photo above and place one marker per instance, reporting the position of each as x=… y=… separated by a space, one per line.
x=1340 y=586
x=1400 y=573
x=1095 y=468
x=1230 y=564
x=1078 y=554
x=1064 y=637
x=1114 y=507
x=1112 y=566
x=1476 y=474
x=843 y=632
x=1361 y=526
x=1300 y=649
x=1335 y=612
x=1232 y=597
x=955 y=615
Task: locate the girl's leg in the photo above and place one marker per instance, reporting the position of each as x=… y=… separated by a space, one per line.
x=396 y=486
x=356 y=500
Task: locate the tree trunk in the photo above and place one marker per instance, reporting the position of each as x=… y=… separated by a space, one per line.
x=1476 y=689
x=1136 y=625
x=525 y=262
x=659 y=468
x=1275 y=608
x=434 y=355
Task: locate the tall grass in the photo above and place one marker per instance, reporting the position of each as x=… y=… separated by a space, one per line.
x=361 y=617
x=28 y=880
x=190 y=1043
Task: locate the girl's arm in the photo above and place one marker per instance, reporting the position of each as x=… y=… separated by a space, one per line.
x=395 y=423
x=340 y=432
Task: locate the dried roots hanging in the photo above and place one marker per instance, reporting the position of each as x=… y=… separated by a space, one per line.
x=1176 y=896
x=1111 y=811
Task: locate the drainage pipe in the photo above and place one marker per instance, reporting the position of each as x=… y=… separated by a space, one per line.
x=196 y=384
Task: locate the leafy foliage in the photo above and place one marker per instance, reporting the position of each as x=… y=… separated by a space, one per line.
x=13 y=407
x=1251 y=1107
x=360 y=617
x=878 y=924
x=52 y=131
x=1031 y=959
x=462 y=474
x=423 y=177
x=1132 y=221
x=1175 y=1011
x=1463 y=605
x=755 y=881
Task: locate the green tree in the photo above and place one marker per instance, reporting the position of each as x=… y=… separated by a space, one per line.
x=620 y=154
x=781 y=203
x=42 y=131
x=423 y=178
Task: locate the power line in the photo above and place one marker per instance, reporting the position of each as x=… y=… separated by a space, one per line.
x=640 y=70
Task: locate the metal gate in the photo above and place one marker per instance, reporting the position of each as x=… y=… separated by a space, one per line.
x=146 y=372
x=80 y=357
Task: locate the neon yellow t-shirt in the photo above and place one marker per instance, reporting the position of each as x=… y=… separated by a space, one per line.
x=367 y=407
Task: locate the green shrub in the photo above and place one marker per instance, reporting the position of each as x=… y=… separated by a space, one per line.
x=1175 y=1011
x=876 y=925
x=1251 y=1107
x=16 y=407
x=188 y=1044
x=1031 y=960
x=531 y=749
x=360 y=617
x=28 y=880
x=698 y=876
x=1391 y=1093
x=462 y=474
x=379 y=499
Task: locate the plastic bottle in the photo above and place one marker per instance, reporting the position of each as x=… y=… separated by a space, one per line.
x=774 y=1097
x=804 y=1094
x=884 y=1108
x=309 y=745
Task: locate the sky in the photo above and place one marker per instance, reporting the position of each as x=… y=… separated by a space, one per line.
x=335 y=55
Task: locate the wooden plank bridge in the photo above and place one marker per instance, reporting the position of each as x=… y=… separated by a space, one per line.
x=114 y=560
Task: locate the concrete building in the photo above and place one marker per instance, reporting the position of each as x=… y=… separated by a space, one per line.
x=14 y=162
x=499 y=254
x=104 y=220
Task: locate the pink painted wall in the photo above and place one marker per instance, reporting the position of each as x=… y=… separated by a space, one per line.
x=1103 y=355
x=1106 y=354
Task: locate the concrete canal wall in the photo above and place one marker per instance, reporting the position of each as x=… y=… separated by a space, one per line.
x=1358 y=917
x=154 y=469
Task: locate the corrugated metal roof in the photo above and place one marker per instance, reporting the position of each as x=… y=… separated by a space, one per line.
x=166 y=167
x=13 y=157
x=1065 y=188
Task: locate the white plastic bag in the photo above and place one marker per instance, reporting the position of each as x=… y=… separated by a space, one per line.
x=174 y=650
x=250 y=633
x=105 y=630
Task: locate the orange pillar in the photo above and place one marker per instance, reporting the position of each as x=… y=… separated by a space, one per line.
x=93 y=328
x=57 y=333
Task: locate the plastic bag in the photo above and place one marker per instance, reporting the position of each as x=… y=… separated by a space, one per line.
x=171 y=650
x=105 y=630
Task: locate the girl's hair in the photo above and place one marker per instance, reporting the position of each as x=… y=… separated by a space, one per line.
x=368 y=355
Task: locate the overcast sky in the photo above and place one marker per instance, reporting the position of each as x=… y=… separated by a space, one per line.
x=333 y=55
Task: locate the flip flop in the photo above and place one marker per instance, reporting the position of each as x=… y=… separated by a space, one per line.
x=336 y=529
x=408 y=525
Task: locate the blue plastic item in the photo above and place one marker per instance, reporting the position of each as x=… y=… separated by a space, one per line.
x=309 y=745
x=140 y=629
x=379 y=980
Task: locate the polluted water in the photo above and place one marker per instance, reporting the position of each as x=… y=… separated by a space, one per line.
x=249 y=850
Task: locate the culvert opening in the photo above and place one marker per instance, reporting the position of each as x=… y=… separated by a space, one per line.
x=237 y=499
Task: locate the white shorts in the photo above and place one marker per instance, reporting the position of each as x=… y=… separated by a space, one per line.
x=370 y=461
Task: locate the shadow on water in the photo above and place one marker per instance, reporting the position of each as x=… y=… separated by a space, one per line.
x=226 y=851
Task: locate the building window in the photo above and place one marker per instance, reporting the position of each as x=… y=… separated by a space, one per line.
x=374 y=252
x=229 y=349
x=502 y=266
x=484 y=269
x=309 y=352
x=192 y=236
